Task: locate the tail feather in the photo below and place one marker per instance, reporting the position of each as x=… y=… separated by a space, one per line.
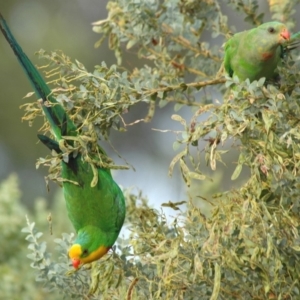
x=49 y=143
x=55 y=113
x=64 y=125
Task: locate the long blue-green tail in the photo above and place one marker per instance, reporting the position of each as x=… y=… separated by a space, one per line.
x=55 y=113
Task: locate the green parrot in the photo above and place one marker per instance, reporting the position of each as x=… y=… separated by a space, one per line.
x=97 y=210
x=255 y=53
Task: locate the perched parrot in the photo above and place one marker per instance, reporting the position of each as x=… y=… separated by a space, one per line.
x=97 y=213
x=255 y=53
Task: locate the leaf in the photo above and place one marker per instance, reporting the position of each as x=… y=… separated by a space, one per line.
x=175 y=160
x=80 y=65
x=261 y=82
x=131 y=43
x=29 y=94
x=178 y=106
x=197 y=176
x=185 y=172
x=176 y=145
x=173 y=205
x=236 y=173
x=217 y=282
x=268 y=120
x=162 y=103
x=179 y=119
x=26 y=230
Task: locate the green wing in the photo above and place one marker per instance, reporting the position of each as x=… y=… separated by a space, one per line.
x=101 y=206
x=230 y=51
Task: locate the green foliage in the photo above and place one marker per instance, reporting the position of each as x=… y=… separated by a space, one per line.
x=250 y=9
x=248 y=246
x=283 y=10
x=14 y=266
x=12 y=218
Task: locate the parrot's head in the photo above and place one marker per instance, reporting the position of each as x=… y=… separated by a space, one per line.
x=273 y=32
x=87 y=248
x=277 y=30
x=269 y=37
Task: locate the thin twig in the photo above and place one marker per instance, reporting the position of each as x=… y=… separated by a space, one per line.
x=182 y=85
x=130 y=290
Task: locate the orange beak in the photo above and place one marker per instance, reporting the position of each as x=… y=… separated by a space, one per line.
x=285 y=34
x=75 y=262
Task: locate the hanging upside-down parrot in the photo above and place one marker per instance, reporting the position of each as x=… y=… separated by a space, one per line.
x=97 y=213
x=257 y=52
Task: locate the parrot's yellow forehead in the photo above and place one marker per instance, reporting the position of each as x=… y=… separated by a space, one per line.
x=75 y=251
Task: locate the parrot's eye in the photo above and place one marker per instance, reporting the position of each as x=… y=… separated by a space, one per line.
x=85 y=252
x=271 y=29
